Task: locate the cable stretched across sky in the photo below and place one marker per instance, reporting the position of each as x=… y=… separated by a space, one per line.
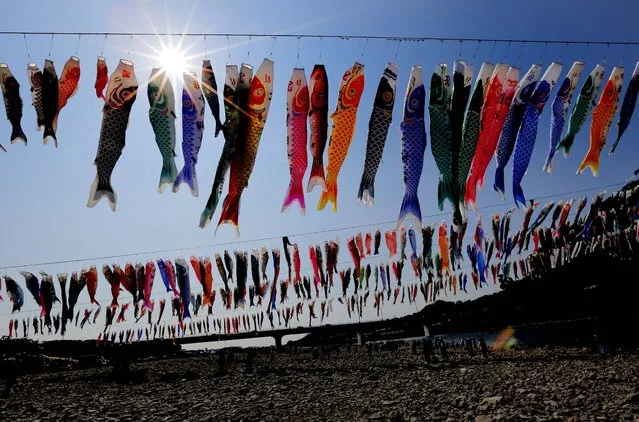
x=310 y=233
x=321 y=36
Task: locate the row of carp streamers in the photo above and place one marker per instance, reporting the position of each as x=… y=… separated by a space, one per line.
x=498 y=117
x=609 y=226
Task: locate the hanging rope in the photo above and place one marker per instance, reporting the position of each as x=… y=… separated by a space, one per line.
x=520 y=51
x=26 y=44
x=399 y=44
x=248 y=50
x=508 y=49
x=543 y=52
x=77 y=46
x=321 y=48
x=103 y=43
x=272 y=47
x=492 y=50
x=51 y=45
x=582 y=53
x=363 y=49
x=476 y=49
x=561 y=58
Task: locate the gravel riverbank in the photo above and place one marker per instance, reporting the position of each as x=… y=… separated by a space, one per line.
x=353 y=384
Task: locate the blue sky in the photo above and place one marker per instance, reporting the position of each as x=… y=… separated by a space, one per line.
x=45 y=190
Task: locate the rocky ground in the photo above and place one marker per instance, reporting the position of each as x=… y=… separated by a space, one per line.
x=349 y=385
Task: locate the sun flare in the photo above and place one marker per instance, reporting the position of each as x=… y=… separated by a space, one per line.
x=173 y=61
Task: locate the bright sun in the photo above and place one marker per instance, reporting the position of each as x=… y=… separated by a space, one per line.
x=173 y=61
